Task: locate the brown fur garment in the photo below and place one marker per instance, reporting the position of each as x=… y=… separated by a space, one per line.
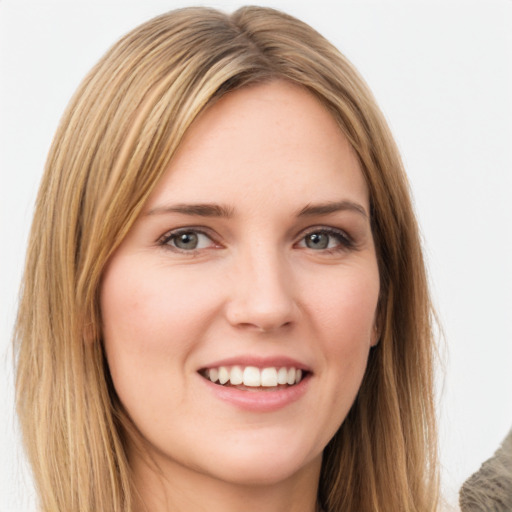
x=490 y=488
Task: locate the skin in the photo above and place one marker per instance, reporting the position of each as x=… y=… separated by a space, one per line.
x=253 y=287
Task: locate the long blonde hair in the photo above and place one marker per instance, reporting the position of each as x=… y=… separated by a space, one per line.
x=114 y=142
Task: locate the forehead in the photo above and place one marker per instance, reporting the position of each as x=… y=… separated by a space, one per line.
x=273 y=142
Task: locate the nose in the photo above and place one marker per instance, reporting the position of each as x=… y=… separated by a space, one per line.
x=262 y=294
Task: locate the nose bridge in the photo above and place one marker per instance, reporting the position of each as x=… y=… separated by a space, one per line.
x=263 y=291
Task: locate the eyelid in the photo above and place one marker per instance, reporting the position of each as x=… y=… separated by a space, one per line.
x=163 y=240
x=346 y=242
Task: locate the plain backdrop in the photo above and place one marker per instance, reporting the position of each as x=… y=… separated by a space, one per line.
x=441 y=72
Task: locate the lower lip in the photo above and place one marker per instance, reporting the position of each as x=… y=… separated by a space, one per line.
x=261 y=400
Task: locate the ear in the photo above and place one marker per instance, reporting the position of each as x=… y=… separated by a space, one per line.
x=378 y=322
x=375 y=336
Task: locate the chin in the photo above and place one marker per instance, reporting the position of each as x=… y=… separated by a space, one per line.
x=265 y=473
x=265 y=466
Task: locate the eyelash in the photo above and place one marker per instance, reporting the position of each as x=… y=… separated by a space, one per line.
x=345 y=242
x=165 y=240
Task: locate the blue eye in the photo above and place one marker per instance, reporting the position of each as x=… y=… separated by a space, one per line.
x=317 y=240
x=187 y=240
x=326 y=239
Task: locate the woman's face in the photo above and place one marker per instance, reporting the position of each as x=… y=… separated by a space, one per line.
x=253 y=261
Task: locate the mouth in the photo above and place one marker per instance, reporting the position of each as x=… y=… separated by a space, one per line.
x=252 y=378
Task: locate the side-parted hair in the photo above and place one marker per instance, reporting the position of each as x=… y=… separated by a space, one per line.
x=115 y=141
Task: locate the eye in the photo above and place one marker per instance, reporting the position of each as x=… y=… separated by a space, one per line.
x=326 y=239
x=187 y=240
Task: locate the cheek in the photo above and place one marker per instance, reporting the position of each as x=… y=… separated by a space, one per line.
x=152 y=319
x=130 y=305
x=345 y=308
x=149 y=309
x=345 y=320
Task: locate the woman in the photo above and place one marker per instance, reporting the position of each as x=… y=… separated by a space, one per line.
x=225 y=302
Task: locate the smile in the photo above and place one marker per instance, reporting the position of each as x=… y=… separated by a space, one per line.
x=254 y=377
x=257 y=385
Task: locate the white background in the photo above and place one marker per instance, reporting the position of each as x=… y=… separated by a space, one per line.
x=442 y=73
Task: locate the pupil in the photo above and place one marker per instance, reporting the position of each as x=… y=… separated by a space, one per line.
x=317 y=241
x=186 y=241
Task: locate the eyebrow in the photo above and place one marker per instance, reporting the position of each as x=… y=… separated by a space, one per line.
x=217 y=210
x=332 y=207
x=202 y=210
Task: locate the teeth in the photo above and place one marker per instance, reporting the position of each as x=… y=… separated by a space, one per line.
x=269 y=377
x=251 y=376
x=223 y=375
x=282 y=376
x=237 y=376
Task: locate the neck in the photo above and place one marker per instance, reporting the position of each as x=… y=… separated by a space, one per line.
x=179 y=489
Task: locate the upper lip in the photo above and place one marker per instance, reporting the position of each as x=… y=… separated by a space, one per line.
x=259 y=362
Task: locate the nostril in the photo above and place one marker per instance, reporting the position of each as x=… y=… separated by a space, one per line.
x=263 y=305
